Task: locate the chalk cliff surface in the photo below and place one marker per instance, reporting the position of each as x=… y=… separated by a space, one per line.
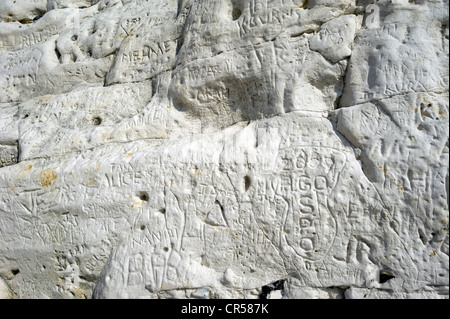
x=224 y=149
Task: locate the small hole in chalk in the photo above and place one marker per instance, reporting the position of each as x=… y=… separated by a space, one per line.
x=15 y=271
x=74 y=37
x=166 y=249
x=142 y=227
x=97 y=120
x=236 y=13
x=143 y=196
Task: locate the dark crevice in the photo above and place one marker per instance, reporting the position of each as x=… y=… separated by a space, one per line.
x=266 y=290
x=58 y=55
x=341 y=290
x=341 y=84
x=385 y=275
x=25 y=21
x=247 y=183
x=180 y=42
x=422 y=236
x=154 y=86
x=220 y=206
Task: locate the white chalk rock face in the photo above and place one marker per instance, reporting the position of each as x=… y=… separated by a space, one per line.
x=24 y=11
x=224 y=149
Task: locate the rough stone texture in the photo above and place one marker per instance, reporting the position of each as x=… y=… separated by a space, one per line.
x=224 y=149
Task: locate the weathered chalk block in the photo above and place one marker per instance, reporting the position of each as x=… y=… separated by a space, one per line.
x=224 y=149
